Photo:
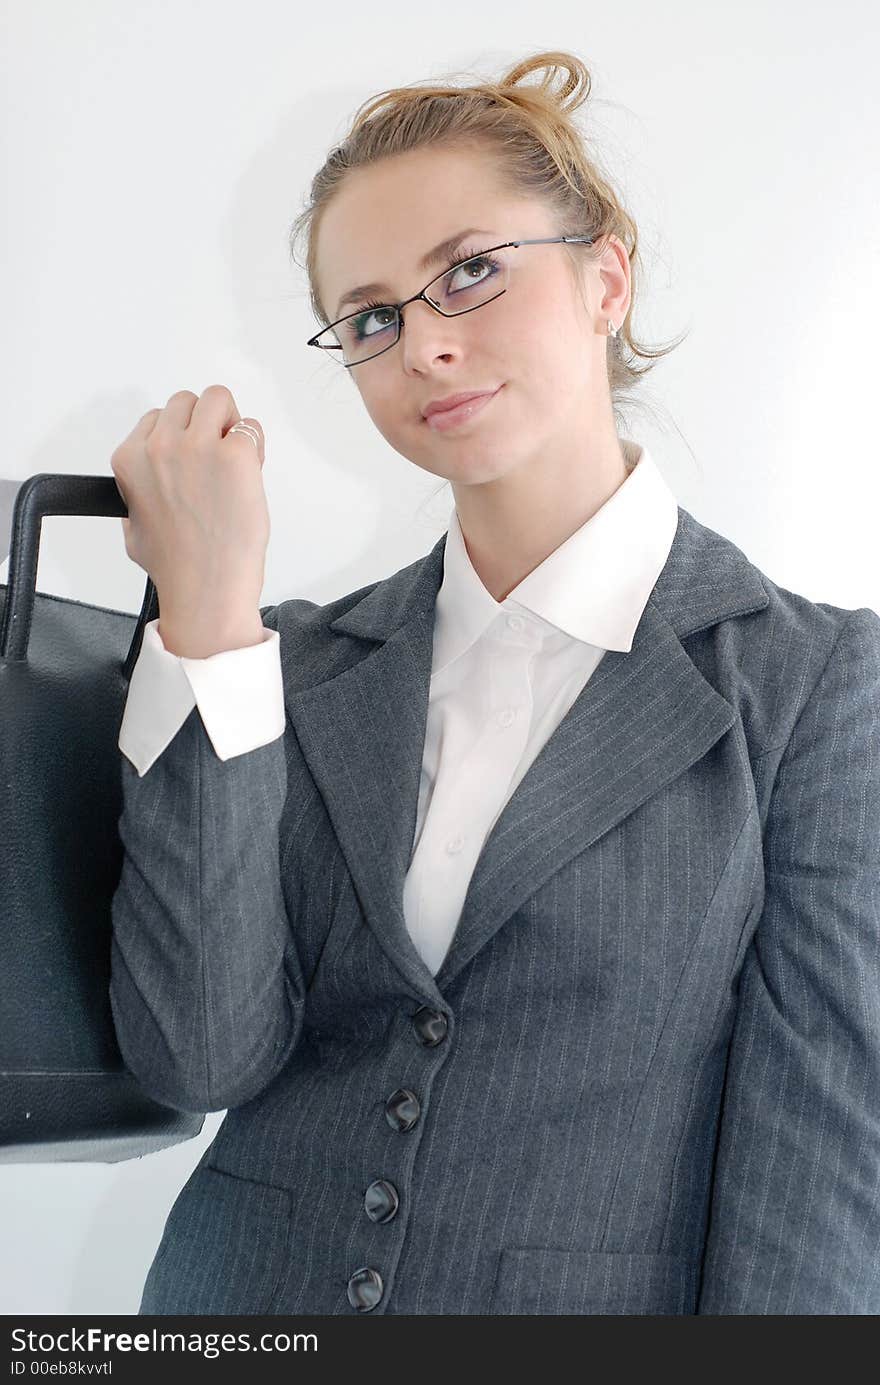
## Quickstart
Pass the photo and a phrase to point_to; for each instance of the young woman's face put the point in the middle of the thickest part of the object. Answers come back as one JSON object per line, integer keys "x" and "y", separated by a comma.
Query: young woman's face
{"x": 537, "y": 345}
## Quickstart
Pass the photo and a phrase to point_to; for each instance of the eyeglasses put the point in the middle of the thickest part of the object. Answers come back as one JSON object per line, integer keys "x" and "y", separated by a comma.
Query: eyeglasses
{"x": 375, "y": 328}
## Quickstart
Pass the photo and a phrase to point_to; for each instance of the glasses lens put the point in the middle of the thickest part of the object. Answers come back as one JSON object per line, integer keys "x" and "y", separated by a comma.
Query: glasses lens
{"x": 370, "y": 331}
{"x": 362, "y": 335}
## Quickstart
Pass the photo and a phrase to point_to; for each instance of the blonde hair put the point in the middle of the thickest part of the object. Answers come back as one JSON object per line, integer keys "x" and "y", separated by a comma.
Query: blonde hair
{"x": 540, "y": 153}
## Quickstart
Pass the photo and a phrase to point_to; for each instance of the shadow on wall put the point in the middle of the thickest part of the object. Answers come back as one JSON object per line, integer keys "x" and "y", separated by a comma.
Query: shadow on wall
{"x": 8, "y": 492}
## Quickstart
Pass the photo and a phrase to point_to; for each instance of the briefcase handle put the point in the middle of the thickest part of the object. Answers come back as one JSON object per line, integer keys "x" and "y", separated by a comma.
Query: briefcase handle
{"x": 57, "y": 493}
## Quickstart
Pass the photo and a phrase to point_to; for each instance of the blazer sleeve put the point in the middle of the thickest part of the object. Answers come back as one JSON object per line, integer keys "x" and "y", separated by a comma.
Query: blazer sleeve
{"x": 206, "y": 985}
{"x": 794, "y": 1224}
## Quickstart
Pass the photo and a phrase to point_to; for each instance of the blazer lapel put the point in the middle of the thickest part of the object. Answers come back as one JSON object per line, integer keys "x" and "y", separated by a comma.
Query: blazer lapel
{"x": 362, "y": 732}
{"x": 644, "y": 717}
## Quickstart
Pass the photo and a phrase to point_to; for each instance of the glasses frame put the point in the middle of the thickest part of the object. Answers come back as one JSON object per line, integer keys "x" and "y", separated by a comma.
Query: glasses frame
{"x": 423, "y": 294}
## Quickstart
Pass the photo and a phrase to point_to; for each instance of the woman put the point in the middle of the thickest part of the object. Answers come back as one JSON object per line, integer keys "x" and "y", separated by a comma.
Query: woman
{"x": 521, "y": 908}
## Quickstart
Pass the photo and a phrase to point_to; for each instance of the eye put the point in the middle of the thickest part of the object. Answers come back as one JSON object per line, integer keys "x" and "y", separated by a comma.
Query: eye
{"x": 473, "y": 271}
{"x": 358, "y": 325}
{"x": 473, "y": 266}
{"x": 476, "y": 263}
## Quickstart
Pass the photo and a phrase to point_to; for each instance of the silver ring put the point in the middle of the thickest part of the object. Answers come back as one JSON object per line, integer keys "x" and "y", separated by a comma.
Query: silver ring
{"x": 249, "y": 431}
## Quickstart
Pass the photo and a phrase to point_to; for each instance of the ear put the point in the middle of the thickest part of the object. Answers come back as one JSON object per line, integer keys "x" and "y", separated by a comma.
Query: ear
{"x": 614, "y": 267}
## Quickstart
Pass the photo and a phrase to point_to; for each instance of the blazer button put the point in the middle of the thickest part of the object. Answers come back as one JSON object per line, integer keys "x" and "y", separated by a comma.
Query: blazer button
{"x": 381, "y": 1200}
{"x": 402, "y": 1109}
{"x": 430, "y": 1025}
{"x": 365, "y": 1288}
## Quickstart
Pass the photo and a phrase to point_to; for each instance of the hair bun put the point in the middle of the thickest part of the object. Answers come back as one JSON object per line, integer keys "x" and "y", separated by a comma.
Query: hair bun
{"x": 576, "y": 80}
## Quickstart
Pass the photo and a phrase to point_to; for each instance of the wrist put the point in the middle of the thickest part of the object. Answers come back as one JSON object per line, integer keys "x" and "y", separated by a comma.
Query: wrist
{"x": 200, "y": 642}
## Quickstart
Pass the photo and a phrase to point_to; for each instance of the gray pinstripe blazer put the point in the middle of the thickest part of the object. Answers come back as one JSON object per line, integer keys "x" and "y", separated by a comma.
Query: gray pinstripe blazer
{"x": 645, "y": 1079}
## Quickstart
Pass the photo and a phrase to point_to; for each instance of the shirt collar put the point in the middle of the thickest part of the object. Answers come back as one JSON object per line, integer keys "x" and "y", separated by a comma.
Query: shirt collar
{"x": 593, "y": 587}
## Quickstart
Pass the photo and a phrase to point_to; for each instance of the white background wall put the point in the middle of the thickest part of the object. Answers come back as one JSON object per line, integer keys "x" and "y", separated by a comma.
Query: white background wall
{"x": 154, "y": 158}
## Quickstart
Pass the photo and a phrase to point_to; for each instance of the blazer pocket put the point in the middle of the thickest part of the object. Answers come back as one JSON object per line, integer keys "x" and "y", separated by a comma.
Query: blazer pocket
{"x": 224, "y": 1247}
{"x": 538, "y": 1279}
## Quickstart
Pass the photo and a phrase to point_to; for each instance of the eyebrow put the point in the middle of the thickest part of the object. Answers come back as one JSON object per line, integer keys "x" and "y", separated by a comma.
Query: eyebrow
{"x": 436, "y": 256}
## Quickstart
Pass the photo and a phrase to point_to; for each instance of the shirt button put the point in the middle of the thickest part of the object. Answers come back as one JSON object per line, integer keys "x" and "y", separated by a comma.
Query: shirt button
{"x": 455, "y": 844}
{"x": 381, "y": 1200}
{"x": 365, "y": 1288}
{"x": 507, "y": 716}
{"x": 515, "y": 622}
{"x": 430, "y": 1025}
{"x": 402, "y": 1109}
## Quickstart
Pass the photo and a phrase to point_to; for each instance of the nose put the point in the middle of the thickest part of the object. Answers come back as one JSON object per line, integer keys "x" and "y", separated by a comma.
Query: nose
{"x": 426, "y": 334}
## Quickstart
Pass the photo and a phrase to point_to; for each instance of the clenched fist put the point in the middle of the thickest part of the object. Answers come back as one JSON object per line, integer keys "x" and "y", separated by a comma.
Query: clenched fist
{"x": 198, "y": 521}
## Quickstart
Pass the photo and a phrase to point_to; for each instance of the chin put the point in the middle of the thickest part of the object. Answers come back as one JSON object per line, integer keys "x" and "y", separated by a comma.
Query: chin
{"x": 478, "y": 470}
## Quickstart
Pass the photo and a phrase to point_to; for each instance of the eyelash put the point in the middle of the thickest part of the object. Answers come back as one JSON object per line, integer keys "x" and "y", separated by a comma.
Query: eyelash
{"x": 452, "y": 262}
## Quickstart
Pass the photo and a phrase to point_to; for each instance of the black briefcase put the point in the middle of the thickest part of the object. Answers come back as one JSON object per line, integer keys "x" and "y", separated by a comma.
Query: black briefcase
{"x": 65, "y": 1093}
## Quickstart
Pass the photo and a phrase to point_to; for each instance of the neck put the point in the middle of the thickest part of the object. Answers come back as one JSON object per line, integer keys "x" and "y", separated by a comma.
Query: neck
{"x": 512, "y": 523}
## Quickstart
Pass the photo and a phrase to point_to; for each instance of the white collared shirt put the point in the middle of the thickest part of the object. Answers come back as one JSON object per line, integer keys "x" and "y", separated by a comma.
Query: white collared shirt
{"x": 503, "y": 676}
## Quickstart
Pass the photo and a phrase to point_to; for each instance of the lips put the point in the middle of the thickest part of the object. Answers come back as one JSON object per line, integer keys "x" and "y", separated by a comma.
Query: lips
{"x": 453, "y": 400}
{"x": 450, "y": 420}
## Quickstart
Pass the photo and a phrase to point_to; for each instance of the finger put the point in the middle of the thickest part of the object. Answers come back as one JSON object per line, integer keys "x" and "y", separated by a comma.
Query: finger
{"x": 215, "y": 411}
{"x": 247, "y": 440}
{"x": 123, "y": 496}
{"x": 178, "y": 411}
{"x": 143, "y": 428}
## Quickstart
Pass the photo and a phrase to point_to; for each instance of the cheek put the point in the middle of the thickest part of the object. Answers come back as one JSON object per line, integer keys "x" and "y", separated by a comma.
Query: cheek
{"x": 541, "y": 334}
{"x": 400, "y": 426}
{"x": 382, "y": 407}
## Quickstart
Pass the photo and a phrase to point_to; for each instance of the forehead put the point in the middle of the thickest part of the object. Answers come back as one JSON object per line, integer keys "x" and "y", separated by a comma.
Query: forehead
{"x": 383, "y": 220}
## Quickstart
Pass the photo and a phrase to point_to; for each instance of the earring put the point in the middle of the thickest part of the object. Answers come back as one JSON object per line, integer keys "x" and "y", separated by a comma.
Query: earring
{"x": 612, "y": 330}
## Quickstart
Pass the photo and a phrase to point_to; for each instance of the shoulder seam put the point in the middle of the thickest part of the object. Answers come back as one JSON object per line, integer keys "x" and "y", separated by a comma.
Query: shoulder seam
{"x": 781, "y": 745}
